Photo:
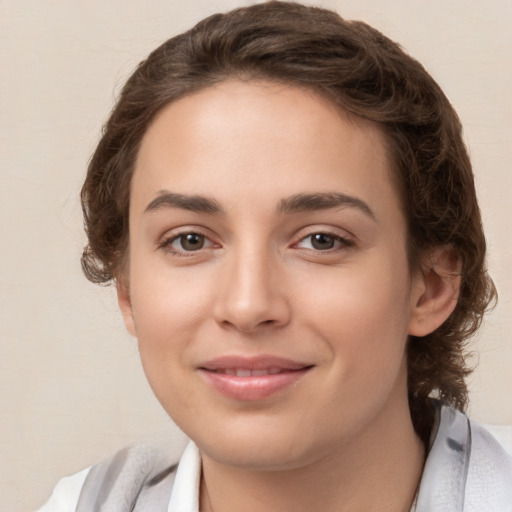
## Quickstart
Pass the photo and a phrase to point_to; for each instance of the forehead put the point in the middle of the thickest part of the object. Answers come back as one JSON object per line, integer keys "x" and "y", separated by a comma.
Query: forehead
{"x": 263, "y": 136}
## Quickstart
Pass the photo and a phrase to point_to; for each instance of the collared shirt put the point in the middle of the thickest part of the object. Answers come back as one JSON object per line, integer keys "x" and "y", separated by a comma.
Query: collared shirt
{"x": 466, "y": 471}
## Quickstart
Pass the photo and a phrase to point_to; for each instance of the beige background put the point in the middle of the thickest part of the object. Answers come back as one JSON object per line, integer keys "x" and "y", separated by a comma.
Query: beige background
{"x": 72, "y": 388}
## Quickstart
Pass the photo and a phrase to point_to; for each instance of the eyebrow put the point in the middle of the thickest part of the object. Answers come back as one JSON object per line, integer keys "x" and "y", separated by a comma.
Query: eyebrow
{"x": 199, "y": 204}
{"x": 322, "y": 201}
{"x": 293, "y": 204}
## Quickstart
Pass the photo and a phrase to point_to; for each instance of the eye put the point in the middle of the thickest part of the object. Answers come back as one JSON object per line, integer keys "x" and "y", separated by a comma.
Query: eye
{"x": 323, "y": 242}
{"x": 187, "y": 243}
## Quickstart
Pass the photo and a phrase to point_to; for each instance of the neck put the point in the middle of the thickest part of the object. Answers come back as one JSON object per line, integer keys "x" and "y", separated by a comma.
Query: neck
{"x": 378, "y": 471}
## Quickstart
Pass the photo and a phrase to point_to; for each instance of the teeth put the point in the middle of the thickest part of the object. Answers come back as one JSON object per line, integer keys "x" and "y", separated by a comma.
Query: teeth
{"x": 242, "y": 372}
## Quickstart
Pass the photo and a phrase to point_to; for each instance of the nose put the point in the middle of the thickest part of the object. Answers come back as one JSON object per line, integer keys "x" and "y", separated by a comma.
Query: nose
{"x": 252, "y": 294}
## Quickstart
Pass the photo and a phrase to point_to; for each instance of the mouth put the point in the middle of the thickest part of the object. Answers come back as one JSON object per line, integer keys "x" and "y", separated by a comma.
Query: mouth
{"x": 249, "y": 379}
{"x": 242, "y": 372}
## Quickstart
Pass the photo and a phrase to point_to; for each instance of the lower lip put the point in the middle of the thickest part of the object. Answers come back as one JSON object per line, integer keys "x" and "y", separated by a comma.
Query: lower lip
{"x": 255, "y": 387}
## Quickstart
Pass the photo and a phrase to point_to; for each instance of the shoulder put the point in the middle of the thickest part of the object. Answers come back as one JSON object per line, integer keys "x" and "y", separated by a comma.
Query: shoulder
{"x": 140, "y": 473}
{"x": 466, "y": 468}
{"x": 64, "y": 497}
{"x": 489, "y": 472}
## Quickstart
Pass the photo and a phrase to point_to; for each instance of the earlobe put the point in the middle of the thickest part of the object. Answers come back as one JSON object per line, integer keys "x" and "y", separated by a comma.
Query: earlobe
{"x": 125, "y": 304}
{"x": 435, "y": 290}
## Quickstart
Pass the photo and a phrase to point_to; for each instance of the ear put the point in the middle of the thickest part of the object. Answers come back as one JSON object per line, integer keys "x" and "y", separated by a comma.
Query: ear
{"x": 435, "y": 290}
{"x": 125, "y": 304}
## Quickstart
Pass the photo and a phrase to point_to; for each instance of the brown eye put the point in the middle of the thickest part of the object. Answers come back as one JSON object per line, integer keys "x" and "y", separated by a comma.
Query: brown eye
{"x": 189, "y": 242}
{"x": 322, "y": 241}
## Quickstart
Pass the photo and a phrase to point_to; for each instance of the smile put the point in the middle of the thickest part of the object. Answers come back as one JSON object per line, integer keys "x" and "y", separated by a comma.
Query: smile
{"x": 249, "y": 379}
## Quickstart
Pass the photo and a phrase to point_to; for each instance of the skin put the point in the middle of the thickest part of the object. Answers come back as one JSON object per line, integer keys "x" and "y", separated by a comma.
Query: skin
{"x": 260, "y": 284}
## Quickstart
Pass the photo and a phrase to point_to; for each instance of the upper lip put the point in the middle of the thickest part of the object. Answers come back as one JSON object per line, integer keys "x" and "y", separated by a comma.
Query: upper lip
{"x": 262, "y": 362}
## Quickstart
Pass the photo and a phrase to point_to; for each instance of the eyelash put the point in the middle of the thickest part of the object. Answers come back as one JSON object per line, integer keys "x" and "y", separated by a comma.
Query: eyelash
{"x": 167, "y": 243}
{"x": 343, "y": 242}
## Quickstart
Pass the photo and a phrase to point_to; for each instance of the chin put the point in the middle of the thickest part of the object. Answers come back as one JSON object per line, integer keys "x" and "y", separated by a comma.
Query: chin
{"x": 273, "y": 457}
{"x": 258, "y": 445}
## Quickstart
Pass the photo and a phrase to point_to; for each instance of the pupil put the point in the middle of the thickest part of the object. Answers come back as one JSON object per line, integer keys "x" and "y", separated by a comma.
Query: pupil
{"x": 322, "y": 241}
{"x": 192, "y": 242}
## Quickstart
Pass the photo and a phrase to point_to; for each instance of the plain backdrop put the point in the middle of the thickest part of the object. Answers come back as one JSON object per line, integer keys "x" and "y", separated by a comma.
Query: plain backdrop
{"x": 72, "y": 387}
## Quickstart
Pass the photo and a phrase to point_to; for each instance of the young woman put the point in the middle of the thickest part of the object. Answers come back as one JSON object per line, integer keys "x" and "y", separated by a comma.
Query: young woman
{"x": 286, "y": 206}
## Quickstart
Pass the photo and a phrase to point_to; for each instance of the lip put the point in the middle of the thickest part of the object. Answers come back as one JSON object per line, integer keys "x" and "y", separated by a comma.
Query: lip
{"x": 282, "y": 373}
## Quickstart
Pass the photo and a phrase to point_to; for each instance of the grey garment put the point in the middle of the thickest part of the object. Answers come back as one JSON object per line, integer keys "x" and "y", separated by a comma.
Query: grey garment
{"x": 137, "y": 479}
{"x": 443, "y": 483}
{"x": 466, "y": 471}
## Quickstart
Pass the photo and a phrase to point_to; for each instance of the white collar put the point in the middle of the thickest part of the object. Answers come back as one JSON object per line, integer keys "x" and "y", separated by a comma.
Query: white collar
{"x": 185, "y": 492}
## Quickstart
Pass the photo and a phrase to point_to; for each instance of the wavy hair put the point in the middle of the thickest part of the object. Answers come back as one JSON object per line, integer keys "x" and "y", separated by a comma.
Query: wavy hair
{"x": 361, "y": 71}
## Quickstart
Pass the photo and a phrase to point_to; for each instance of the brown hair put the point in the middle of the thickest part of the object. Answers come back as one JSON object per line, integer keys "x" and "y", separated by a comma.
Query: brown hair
{"x": 364, "y": 73}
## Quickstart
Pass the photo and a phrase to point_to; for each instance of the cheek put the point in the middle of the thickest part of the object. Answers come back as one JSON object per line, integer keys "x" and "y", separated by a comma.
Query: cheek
{"x": 363, "y": 316}
{"x": 168, "y": 309}
{"x": 360, "y": 300}
{"x": 162, "y": 296}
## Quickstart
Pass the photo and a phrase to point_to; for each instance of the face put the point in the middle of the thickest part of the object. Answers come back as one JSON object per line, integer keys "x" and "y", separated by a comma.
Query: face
{"x": 268, "y": 283}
